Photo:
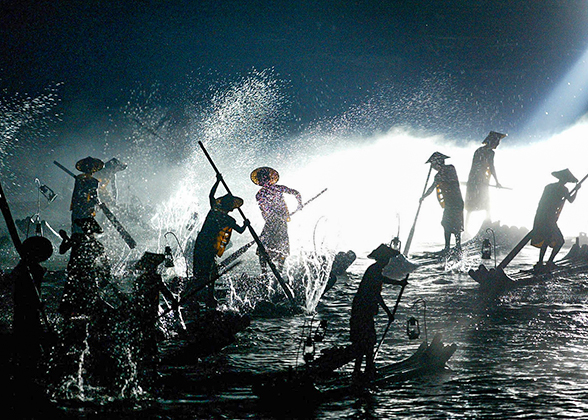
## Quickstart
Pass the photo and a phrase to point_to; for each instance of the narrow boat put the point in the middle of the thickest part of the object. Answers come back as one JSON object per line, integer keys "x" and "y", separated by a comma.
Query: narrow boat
{"x": 492, "y": 235}
{"x": 496, "y": 281}
{"x": 317, "y": 382}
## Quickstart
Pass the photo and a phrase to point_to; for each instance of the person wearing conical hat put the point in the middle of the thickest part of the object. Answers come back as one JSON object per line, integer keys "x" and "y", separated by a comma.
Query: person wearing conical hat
{"x": 85, "y": 194}
{"x": 477, "y": 191}
{"x": 107, "y": 189}
{"x": 148, "y": 286}
{"x": 275, "y": 213}
{"x": 213, "y": 238}
{"x": 446, "y": 184}
{"x": 367, "y": 299}
{"x": 26, "y": 280}
{"x": 546, "y": 233}
{"x": 87, "y": 270}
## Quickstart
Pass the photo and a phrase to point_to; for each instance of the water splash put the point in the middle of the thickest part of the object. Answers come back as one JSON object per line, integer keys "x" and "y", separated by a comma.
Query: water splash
{"x": 308, "y": 274}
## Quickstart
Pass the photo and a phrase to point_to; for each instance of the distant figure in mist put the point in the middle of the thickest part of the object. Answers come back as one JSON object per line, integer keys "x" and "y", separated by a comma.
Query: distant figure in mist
{"x": 85, "y": 194}
{"x": 546, "y": 233}
{"x": 477, "y": 195}
{"x": 148, "y": 287}
{"x": 107, "y": 189}
{"x": 213, "y": 239}
{"x": 274, "y": 211}
{"x": 26, "y": 279}
{"x": 446, "y": 184}
{"x": 364, "y": 308}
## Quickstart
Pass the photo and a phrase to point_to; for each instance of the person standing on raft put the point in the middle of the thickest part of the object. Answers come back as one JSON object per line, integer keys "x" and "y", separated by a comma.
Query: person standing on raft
{"x": 365, "y": 304}
{"x": 274, "y": 211}
{"x": 446, "y": 184}
{"x": 213, "y": 238}
{"x": 148, "y": 287}
{"x": 107, "y": 188}
{"x": 546, "y": 233}
{"x": 26, "y": 279}
{"x": 85, "y": 194}
{"x": 477, "y": 194}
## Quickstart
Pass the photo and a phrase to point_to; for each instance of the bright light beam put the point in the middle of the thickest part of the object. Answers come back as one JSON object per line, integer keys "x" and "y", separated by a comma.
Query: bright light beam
{"x": 566, "y": 103}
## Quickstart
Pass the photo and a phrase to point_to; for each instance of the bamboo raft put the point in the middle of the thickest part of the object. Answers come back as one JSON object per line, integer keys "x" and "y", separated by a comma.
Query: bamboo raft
{"x": 496, "y": 281}
{"x": 317, "y": 382}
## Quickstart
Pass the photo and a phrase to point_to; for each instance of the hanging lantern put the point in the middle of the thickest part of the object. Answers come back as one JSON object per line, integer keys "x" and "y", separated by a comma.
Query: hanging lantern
{"x": 308, "y": 350}
{"x": 47, "y": 193}
{"x": 169, "y": 258}
{"x": 413, "y": 330}
{"x": 320, "y": 332}
{"x": 486, "y": 249}
{"x": 395, "y": 243}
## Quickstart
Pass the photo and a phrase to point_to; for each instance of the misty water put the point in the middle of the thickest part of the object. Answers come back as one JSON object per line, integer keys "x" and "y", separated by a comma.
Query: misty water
{"x": 522, "y": 355}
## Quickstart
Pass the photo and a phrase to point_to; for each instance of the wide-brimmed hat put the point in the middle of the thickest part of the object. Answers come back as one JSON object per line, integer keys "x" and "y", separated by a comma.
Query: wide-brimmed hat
{"x": 493, "y": 137}
{"x": 37, "y": 248}
{"x": 89, "y": 225}
{"x": 383, "y": 252}
{"x": 89, "y": 165}
{"x": 437, "y": 157}
{"x": 229, "y": 202}
{"x": 565, "y": 175}
{"x": 265, "y": 176}
{"x": 115, "y": 165}
{"x": 149, "y": 260}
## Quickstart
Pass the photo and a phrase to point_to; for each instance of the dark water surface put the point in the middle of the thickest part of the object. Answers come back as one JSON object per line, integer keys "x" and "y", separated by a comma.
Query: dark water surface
{"x": 522, "y": 355}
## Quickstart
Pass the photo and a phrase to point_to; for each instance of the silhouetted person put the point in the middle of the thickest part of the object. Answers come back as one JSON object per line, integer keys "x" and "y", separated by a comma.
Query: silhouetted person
{"x": 148, "y": 287}
{"x": 87, "y": 269}
{"x": 107, "y": 189}
{"x": 274, "y": 211}
{"x": 26, "y": 279}
{"x": 85, "y": 194}
{"x": 546, "y": 233}
{"x": 477, "y": 194}
{"x": 365, "y": 307}
{"x": 213, "y": 238}
{"x": 446, "y": 184}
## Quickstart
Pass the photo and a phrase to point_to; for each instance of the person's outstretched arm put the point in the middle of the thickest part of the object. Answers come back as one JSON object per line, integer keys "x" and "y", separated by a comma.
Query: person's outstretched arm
{"x": 211, "y": 198}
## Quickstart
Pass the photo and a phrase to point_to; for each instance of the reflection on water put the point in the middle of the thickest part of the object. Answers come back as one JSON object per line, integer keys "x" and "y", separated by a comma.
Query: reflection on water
{"x": 522, "y": 355}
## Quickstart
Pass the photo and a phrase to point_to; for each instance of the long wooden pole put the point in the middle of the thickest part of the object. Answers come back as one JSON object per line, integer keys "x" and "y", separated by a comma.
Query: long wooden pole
{"x": 109, "y": 215}
{"x": 248, "y": 245}
{"x": 18, "y": 245}
{"x": 260, "y": 245}
{"x": 411, "y": 234}
{"x": 392, "y": 317}
{"x": 513, "y": 253}
{"x": 577, "y": 186}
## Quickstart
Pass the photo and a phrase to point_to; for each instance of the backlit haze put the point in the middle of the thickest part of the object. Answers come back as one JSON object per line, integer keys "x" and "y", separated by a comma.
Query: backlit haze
{"x": 373, "y": 181}
{"x": 349, "y": 96}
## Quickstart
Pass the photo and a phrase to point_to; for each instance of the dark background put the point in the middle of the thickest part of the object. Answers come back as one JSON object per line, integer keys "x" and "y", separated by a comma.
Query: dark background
{"x": 458, "y": 68}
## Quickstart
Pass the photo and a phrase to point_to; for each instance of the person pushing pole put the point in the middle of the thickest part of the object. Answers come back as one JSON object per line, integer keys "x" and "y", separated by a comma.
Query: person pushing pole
{"x": 262, "y": 250}
{"x": 391, "y": 320}
{"x": 367, "y": 299}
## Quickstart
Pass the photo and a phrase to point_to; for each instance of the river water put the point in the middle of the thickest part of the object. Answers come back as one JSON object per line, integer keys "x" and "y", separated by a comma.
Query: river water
{"x": 522, "y": 355}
